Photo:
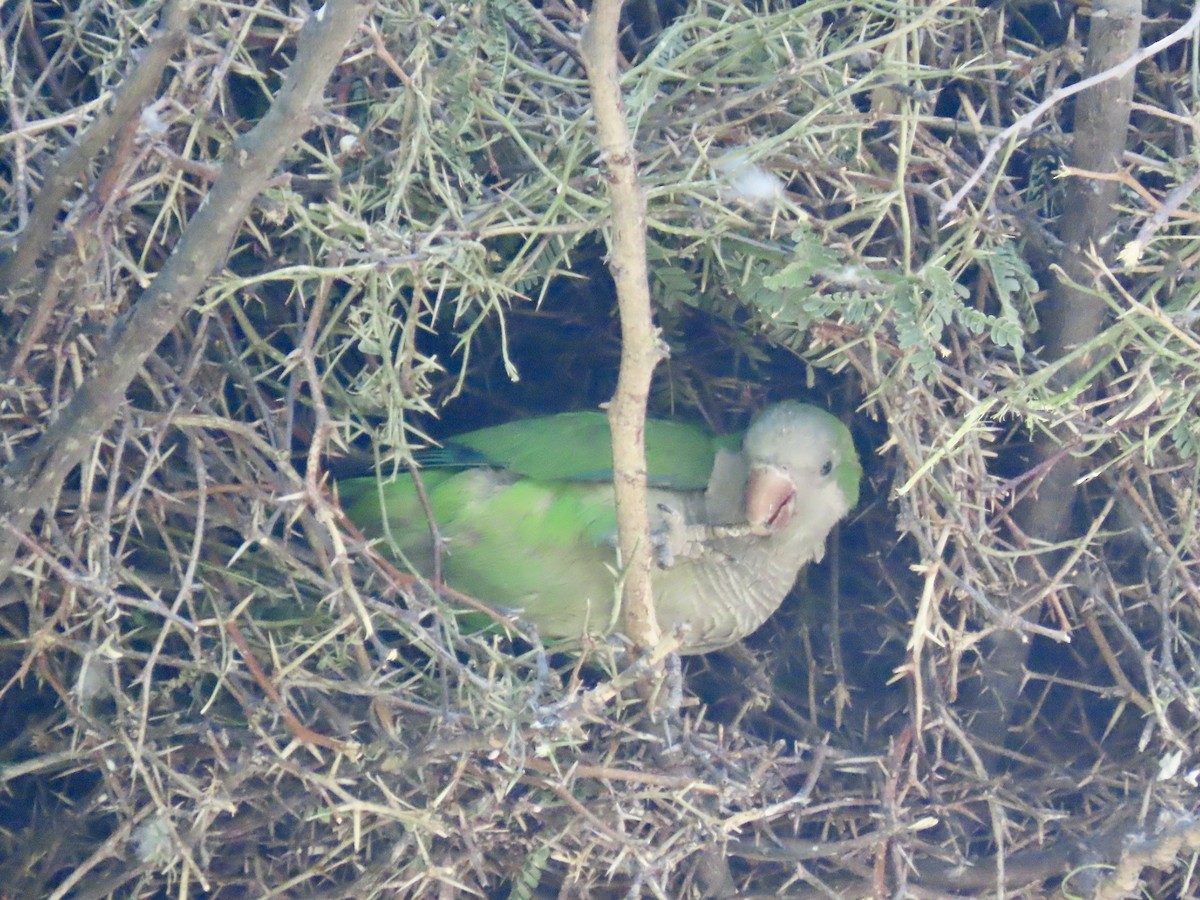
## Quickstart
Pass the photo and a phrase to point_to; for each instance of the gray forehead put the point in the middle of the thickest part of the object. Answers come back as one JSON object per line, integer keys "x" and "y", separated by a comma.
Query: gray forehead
{"x": 795, "y": 431}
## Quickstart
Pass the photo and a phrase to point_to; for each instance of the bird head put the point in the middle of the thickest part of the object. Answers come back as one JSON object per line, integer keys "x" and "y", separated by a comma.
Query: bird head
{"x": 802, "y": 467}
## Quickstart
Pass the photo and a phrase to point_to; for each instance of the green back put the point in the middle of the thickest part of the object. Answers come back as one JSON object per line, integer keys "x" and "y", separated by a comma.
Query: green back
{"x": 577, "y": 447}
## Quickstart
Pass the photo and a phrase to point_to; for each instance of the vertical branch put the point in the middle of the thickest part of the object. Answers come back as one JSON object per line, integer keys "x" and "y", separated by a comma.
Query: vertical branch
{"x": 641, "y": 348}
{"x": 1072, "y": 317}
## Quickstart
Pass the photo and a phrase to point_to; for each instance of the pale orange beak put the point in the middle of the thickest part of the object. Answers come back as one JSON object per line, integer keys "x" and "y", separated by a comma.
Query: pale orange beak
{"x": 770, "y": 498}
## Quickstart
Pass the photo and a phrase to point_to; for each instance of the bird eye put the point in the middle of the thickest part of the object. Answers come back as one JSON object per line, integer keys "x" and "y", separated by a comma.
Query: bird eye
{"x": 827, "y": 468}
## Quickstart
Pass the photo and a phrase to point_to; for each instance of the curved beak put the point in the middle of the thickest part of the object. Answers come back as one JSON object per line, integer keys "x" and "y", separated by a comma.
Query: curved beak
{"x": 770, "y": 498}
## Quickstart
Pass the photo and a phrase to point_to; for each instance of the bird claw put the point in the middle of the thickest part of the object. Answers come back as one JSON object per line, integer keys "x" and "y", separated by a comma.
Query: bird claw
{"x": 673, "y": 538}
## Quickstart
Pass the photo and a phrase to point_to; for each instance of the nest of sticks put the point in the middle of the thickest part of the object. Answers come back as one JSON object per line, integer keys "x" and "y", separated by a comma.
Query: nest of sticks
{"x": 210, "y": 683}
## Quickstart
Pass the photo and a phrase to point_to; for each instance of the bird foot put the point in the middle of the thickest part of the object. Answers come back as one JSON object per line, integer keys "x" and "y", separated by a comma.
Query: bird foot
{"x": 674, "y": 538}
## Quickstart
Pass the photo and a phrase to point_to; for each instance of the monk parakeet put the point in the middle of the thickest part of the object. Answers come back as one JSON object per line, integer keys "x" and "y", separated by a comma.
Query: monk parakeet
{"x": 526, "y": 510}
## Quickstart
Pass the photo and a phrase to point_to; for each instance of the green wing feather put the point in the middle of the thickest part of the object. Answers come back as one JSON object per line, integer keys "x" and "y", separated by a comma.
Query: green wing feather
{"x": 578, "y": 447}
{"x": 536, "y": 479}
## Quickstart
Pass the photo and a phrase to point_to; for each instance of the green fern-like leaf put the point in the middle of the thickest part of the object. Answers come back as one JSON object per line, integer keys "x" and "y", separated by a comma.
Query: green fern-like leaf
{"x": 1015, "y": 286}
{"x": 531, "y": 875}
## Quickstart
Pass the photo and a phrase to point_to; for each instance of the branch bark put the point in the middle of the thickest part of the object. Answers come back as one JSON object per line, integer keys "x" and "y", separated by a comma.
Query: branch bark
{"x": 1072, "y": 317}
{"x": 68, "y": 165}
{"x": 35, "y": 474}
{"x": 641, "y": 348}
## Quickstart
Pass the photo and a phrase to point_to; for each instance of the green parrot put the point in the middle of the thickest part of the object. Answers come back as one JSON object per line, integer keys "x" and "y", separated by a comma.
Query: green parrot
{"x": 526, "y": 510}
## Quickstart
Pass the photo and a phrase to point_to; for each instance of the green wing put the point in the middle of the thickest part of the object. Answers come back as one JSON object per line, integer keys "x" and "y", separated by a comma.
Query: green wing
{"x": 577, "y": 447}
{"x": 541, "y": 471}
